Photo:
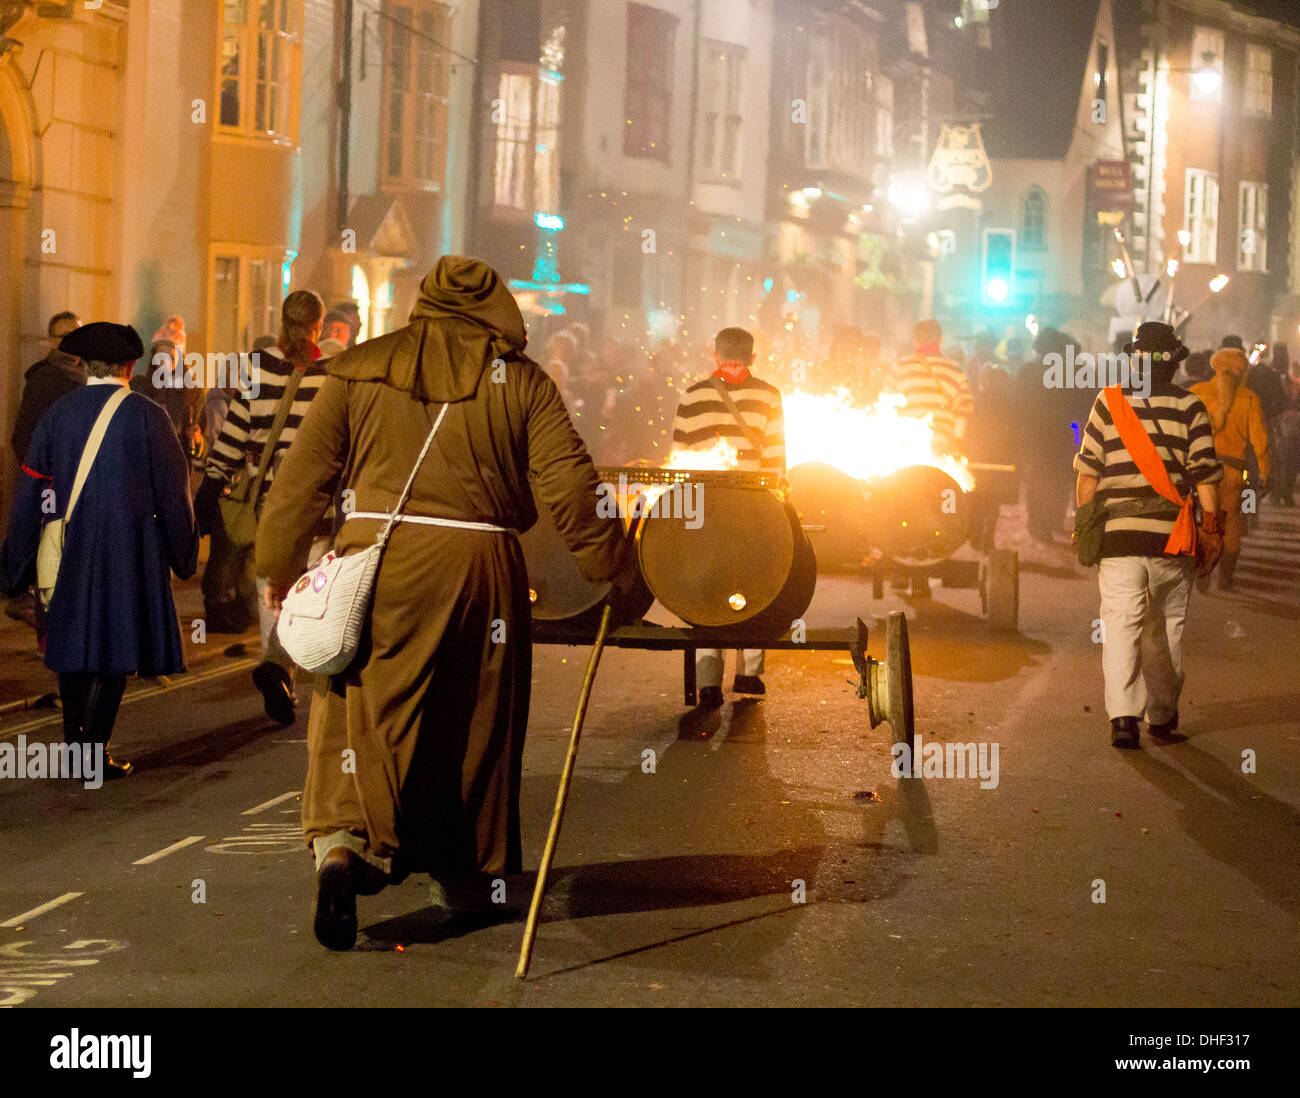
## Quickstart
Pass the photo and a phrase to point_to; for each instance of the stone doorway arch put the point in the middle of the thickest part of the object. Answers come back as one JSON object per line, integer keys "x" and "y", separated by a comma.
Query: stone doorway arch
{"x": 18, "y": 167}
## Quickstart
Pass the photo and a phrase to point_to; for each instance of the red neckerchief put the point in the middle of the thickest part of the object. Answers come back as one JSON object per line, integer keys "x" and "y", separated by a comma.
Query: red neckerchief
{"x": 929, "y": 349}
{"x": 733, "y": 373}
{"x": 313, "y": 352}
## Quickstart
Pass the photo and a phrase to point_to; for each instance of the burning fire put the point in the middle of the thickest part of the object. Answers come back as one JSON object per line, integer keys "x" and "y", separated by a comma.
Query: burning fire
{"x": 720, "y": 456}
{"x": 866, "y": 443}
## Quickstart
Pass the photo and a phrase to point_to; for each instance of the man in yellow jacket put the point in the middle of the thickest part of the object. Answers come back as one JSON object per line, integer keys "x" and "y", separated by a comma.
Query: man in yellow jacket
{"x": 1237, "y": 420}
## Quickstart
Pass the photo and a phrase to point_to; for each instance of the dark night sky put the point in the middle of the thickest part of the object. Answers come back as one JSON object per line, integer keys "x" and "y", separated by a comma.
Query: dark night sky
{"x": 1039, "y": 50}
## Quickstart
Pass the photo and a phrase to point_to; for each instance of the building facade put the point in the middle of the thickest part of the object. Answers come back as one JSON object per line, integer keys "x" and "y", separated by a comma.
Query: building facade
{"x": 164, "y": 157}
{"x": 1212, "y": 99}
{"x": 1060, "y": 185}
{"x": 621, "y": 160}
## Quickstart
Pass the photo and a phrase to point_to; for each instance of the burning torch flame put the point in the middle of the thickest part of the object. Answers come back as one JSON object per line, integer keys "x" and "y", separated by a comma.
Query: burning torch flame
{"x": 866, "y": 443}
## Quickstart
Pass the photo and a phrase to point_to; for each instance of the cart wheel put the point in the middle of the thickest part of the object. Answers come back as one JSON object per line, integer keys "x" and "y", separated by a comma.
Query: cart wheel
{"x": 888, "y": 685}
{"x": 1000, "y": 590}
{"x": 898, "y": 670}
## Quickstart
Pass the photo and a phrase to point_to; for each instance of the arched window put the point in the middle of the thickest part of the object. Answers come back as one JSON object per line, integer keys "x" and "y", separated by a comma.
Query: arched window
{"x": 1033, "y": 222}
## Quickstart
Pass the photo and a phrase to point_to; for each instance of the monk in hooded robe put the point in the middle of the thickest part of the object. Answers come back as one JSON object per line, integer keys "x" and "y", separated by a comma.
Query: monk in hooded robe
{"x": 415, "y": 753}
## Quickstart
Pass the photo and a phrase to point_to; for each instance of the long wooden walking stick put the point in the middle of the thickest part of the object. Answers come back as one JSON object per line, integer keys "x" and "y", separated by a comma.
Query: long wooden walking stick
{"x": 552, "y": 840}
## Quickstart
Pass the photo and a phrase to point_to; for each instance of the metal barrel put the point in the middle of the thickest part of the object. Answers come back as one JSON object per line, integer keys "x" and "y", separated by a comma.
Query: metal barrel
{"x": 919, "y": 516}
{"x": 742, "y": 563}
{"x": 557, "y": 588}
{"x": 832, "y": 509}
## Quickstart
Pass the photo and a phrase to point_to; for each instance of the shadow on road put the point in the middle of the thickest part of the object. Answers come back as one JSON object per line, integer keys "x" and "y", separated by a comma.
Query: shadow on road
{"x": 210, "y": 746}
{"x": 718, "y": 794}
{"x": 1244, "y": 713}
{"x": 948, "y": 644}
{"x": 1253, "y": 833}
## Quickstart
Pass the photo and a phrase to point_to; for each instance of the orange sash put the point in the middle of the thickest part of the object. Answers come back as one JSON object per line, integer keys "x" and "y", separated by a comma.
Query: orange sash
{"x": 1182, "y": 542}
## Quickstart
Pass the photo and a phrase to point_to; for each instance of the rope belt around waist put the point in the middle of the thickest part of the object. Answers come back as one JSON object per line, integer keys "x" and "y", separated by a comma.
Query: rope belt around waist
{"x": 425, "y": 520}
{"x": 1233, "y": 463}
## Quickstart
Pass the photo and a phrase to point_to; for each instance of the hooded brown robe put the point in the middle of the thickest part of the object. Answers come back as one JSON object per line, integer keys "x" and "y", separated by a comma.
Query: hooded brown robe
{"x": 436, "y": 704}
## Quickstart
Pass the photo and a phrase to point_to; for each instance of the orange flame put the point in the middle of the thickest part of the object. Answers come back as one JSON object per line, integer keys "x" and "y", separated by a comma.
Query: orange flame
{"x": 718, "y": 457}
{"x": 866, "y": 443}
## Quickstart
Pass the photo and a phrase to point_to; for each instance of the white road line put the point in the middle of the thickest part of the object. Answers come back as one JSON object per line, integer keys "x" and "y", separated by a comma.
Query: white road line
{"x": 18, "y": 920}
{"x": 170, "y": 849}
{"x": 271, "y": 803}
{"x": 193, "y": 678}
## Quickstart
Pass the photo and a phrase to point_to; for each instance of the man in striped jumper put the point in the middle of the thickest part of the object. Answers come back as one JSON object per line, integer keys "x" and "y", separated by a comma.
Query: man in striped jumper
{"x": 1147, "y": 572}
{"x": 703, "y": 418}
{"x": 238, "y": 450}
{"x": 934, "y": 386}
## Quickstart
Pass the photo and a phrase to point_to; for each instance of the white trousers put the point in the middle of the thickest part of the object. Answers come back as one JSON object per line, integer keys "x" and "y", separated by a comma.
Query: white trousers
{"x": 1143, "y": 608}
{"x": 709, "y": 664}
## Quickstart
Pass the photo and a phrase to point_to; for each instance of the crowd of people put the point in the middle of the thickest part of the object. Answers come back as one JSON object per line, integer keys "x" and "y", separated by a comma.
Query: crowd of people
{"x": 435, "y": 706}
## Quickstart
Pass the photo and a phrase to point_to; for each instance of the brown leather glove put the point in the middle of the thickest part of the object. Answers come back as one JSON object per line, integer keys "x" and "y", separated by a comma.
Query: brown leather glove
{"x": 1209, "y": 544}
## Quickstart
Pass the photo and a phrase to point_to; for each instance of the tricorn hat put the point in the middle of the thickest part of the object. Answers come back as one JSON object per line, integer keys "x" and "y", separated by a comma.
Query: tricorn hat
{"x": 1159, "y": 341}
{"x": 104, "y": 342}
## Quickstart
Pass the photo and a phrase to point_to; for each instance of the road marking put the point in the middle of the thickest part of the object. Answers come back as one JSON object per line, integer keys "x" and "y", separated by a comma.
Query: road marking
{"x": 271, "y": 803}
{"x": 170, "y": 849}
{"x": 18, "y": 920}
{"x": 21, "y": 974}
{"x": 192, "y": 679}
{"x": 262, "y": 838}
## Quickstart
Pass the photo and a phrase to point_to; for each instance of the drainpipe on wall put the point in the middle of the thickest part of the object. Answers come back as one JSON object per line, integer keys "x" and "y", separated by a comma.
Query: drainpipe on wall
{"x": 345, "y": 120}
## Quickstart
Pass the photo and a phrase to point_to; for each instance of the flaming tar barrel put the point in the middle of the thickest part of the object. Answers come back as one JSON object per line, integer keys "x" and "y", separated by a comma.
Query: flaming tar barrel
{"x": 723, "y": 552}
{"x": 832, "y": 508}
{"x": 918, "y": 516}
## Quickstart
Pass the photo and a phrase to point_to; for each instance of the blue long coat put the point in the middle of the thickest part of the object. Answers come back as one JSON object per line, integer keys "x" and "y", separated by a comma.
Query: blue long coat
{"x": 112, "y": 610}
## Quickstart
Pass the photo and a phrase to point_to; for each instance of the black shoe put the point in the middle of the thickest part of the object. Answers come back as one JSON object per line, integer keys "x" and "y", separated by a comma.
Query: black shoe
{"x": 1167, "y": 731}
{"x": 336, "y": 902}
{"x": 710, "y": 697}
{"x": 1124, "y": 732}
{"x": 274, "y": 683}
{"x": 116, "y": 768}
{"x": 748, "y": 684}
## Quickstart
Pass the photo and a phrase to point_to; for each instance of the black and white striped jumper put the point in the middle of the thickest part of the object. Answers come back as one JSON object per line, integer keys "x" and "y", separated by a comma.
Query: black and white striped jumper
{"x": 1179, "y": 425}
{"x": 703, "y": 419}
{"x": 248, "y": 423}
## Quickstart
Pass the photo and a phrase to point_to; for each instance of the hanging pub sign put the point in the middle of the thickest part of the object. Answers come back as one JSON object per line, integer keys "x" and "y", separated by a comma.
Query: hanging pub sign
{"x": 960, "y": 162}
{"x": 1110, "y": 186}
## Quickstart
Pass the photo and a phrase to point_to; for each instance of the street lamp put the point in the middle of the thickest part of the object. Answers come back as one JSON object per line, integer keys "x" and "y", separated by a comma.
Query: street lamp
{"x": 1218, "y": 282}
{"x": 908, "y": 196}
{"x": 1208, "y": 77}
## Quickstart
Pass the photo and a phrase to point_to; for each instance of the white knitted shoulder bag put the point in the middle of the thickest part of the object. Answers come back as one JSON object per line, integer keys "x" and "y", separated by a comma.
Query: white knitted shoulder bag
{"x": 324, "y": 615}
